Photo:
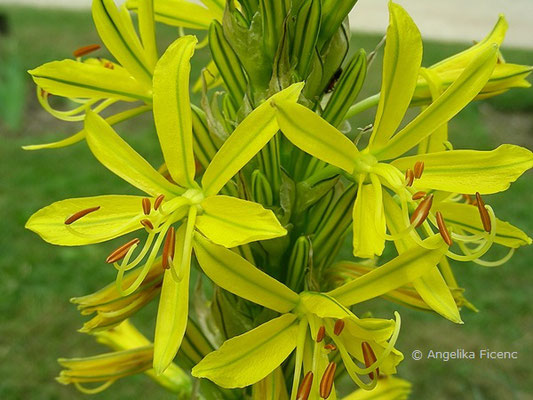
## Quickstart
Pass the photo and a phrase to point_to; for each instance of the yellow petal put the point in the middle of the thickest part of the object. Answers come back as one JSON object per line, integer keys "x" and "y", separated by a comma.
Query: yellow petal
{"x": 118, "y": 156}
{"x": 233, "y": 273}
{"x": 117, "y": 216}
{"x": 314, "y": 135}
{"x": 401, "y": 62}
{"x": 172, "y": 312}
{"x": 172, "y": 109}
{"x": 252, "y": 134}
{"x": 71, "y": 78}
{"x": 435, "y": 292}
{"x": 118, "y": 34}
{"x": 462, "y": 59}
{"x": 248, "y": 358}
{"x": 181, "y": 13}
{"x": 454, "y": 99}
{"x": 401, "y": 270}
{"x": 388, "y": 388}
{"x": 470, "y": 171}
{"x": 367, "y": 241}
{"x": 231, "y": 222}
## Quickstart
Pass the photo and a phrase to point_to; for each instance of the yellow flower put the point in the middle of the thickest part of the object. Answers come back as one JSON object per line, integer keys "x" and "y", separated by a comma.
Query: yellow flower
{"x": 95, "y": 83}
{"x": 317, "y": 325}
{"x": 225, "y": 220}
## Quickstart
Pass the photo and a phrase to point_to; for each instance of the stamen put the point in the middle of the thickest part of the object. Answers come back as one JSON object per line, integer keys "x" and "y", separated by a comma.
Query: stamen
{"x": 422, "y": 211}
{"x": 339, "y": 326}
{"x": 147, "y": 224}
{"x": 485, "y": 218}
{"x": 109, "y": 65}
{"x": 409, "y": 177}
{"x": 82, "y": 51}
{"x": 321, "y": 333}
{"x": 158, "y": 200}
{"x": 330, "y": 347}
{"x": 119, "y": 253}
{"x": 168, "y": 247}
{"x": 370, "y": 358}
{"x": 418, "y": 195}
{"x": 326, "y": 384}
{"x": 76, "y": 216}
{"x": 305, "y": 387}
{"x": 418, "y": 169}
{"x": 146, "y": 206}
{"x": 443, "y": 230}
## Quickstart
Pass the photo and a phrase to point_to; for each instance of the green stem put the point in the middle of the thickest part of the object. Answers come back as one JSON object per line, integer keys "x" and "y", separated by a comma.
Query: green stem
{"x": 363, "y": 105}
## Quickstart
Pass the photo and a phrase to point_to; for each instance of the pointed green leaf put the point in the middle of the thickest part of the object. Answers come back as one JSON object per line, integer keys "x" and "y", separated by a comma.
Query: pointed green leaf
{"x": 232, "y": 222}
{"x": 312, "y": 134}
{"x": 252, "y": 134}
{"x": 334, "y": 13}
{"x": 401, "y": 63}
{"x": 116, "y": 155}
{"x": 227, "y": 63}
{"x": 401, "y": 270}
{"x": 306, "y": 35}
{"x": 71, "y": 78}
{"x": 119, "y": 37}
{"x": 233, "y": 273}
{"x": 248, "y": 358}
{"x": 453, "y": 100}
{"x": 172, "y": 110}
{"x": 346, "y": 90}
{"x": 470, "y": 171}
{"x": 172, "y": 312}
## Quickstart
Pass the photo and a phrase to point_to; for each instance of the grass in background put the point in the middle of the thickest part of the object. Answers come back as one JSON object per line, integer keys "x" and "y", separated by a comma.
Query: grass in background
{"x": 38, "y": 324}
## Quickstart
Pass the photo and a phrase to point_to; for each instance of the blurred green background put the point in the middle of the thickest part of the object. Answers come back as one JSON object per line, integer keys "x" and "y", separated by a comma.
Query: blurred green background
{"x": 38, "y": 324}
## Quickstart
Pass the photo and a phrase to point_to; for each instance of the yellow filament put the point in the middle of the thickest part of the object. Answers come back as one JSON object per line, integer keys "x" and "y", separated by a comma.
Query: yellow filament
{"x": 95, "y": 390}
{"x": 483, "y": 248}
{"x": 302, "y": 333}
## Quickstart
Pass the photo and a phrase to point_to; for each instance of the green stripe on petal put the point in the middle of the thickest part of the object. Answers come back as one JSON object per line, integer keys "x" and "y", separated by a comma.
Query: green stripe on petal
{"x": 232, "y": 222}
{"x": 118, "y": 156}
{"x": 470, "y": 171}
{"x": 454, "y": 99}
{"x": 233, "y": 273}
{"x": 117, "y": 216}
{"x": 248, "y": 358}
{"x": 401, "y": 270}
{"x": 401, "y": 63}
{"x": 252, "y": 134}
{"x": 172, "y": 109}
{"x": 312, "y": 134}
